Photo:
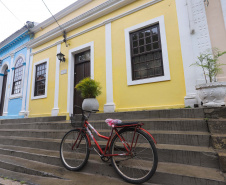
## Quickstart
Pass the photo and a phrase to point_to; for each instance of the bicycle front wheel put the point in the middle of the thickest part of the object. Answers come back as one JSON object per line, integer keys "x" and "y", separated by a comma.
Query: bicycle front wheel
{"x": 74, "y": 150}
{"x": 140, "y": 165}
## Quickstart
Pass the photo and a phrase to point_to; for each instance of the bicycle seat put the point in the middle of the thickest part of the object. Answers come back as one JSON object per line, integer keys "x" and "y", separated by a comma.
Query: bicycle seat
{"x": 118, "y": 122}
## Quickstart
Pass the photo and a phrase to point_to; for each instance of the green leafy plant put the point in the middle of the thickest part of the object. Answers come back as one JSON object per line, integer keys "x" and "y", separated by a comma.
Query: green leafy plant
{"x": 89, "y": 88}
{"x": 209, "y": 64}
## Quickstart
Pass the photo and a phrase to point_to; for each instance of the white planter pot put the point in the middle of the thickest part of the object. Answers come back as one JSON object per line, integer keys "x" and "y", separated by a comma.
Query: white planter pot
{"x": 212, "y": 94}
{"x": 90, "y": 104}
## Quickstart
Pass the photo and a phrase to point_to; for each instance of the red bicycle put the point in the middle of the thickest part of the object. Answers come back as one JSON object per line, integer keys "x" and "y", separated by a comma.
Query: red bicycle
{"x": 130, "y": 148}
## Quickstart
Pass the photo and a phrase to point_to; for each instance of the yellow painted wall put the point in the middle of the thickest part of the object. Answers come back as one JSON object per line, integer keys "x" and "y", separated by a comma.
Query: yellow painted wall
{"x": 98, "y": 37}
{"x": 168, "y": 94}
{"x": 44, "y": 106}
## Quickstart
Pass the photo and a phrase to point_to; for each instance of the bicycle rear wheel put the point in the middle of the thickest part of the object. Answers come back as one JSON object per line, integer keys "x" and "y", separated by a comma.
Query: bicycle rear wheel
{"x": 74, "y": 150}
{"x": 141, "y": 164}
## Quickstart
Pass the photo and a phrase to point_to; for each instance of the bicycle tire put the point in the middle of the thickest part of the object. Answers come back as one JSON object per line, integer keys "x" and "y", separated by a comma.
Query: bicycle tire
{"x": 74, "y": 156}
{"x": 134, "y": 169}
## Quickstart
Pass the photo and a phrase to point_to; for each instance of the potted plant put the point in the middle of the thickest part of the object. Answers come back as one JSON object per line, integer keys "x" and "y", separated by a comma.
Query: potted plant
{"x": 89, "y": 89}
{"x": 212, "y": 93}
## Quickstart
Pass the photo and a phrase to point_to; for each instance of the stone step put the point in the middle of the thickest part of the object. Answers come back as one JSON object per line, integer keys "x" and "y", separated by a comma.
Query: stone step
{"x": 162, "y": 137}
{"x": 217, "y": 126}
{"x": 39, "y": 149}
{"x": 165, "y": 113}
{"x": 32, "y": 120}
{"x": 175, "y": 124}
{"x": 167, "y": 173}
{"x": 219, "y": 141}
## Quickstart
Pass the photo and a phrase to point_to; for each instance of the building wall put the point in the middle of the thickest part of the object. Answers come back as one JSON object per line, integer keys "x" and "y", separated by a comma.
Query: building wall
{"x": 13, "y": 104}
{"x": 165, "y": 94}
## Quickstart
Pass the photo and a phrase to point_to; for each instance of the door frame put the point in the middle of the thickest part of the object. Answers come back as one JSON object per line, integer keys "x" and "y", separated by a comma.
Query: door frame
{"x": 71, "y": 63}
{"x": 4, "y": 66}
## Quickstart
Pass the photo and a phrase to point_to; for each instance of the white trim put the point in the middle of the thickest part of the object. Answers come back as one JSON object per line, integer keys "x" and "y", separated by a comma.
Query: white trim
{"x": 71, "y": 8}
{"x": 99, "y": 11}
{"x": 29, "y": 86}
{"x": 3, "y": 67}
{"x": 22, "y": 112}
{"x": 14, "y": 96}
{"x": 7, "y": 93}
{"x": 71, "y": 60}
{"x": 14, "y": 51}
{"x": 99, "y": 25}
{"x": 55, "y": 109}
{"x": 33, "y": 79}
{"x": 192, "y": 43}
{"x": 165, "y": 59}
{"x": 109, "y": 106}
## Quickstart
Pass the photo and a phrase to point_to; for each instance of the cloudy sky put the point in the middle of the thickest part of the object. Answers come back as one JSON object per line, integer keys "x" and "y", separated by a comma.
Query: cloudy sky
{"x": 26, "y": 10}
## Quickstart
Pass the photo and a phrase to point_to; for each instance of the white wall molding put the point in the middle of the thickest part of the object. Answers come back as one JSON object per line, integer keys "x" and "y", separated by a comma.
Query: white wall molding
{"x": 78, "y": 21}
{"x": 22, "y": 112}
{"x": 7, "y": 93}
{"x": 12, "y": 53}
{"x": 3, "y": 68}
{"x": 71, "y": 60}
{"x": 192, "y": 44}
{"x": 100, "y": 24}
{"x": 71, "y": 8}
{"x": 55, "y": 109}
{"x": 109, "y": 106}
{"x": 165, "y": 59}
{"x": 29, "y": 87}
{"x": 19, "y": 95}
{"x": 33, "y": 97}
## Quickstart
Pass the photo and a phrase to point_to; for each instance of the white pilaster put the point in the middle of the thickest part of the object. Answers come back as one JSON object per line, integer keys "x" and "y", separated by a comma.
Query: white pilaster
{"x": 109, "y": 106}
{"x": 29, "y": 85}
{"x": 195, "y": 39}
{"x": 55, "y": 109}
{"x": 10, "y": 74}
{"x": 22, "y": 112}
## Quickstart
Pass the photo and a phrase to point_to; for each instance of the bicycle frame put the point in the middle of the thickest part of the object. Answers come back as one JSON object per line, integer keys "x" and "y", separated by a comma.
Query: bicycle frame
{"x": 128, "y": 148}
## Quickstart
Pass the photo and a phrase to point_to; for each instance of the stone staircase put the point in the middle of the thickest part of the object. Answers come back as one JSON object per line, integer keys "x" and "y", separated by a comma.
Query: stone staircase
{"x": 29, "y": 149}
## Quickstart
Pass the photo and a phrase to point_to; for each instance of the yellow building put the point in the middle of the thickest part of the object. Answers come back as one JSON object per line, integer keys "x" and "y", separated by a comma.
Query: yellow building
{"x": 132, "y": 47}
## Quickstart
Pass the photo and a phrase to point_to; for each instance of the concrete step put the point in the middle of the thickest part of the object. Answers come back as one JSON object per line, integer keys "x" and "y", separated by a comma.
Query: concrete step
{"x": 173, "y": 124}
{"x": 48, "y": 150}
{"x": 219, "y": 141}
{"x": 165, "y": 113}
{"x": 32, "y": 120}
{"x": 162, "y": 137}
{"x": 169, "y": 124}
{"x": 167, "y": 173}
{"x": 217, "y": 126}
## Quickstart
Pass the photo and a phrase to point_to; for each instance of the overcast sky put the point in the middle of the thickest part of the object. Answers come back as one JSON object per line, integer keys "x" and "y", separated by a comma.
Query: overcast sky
{"x": 26, "y": 10}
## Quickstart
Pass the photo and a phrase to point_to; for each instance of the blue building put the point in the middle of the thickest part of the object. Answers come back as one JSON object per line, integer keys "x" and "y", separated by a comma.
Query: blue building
{"x": 14, "y": 62}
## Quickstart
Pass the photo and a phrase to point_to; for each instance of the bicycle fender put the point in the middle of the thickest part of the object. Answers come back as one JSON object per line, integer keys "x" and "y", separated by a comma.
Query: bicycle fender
{"x": 149, "y": 135}
{"x": 86, "y": 136}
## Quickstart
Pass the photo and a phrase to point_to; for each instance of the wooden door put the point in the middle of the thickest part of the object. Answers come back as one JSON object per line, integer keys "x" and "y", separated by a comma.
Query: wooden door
{"x": 82, "y": 70}
{"x": 3, "y": 91}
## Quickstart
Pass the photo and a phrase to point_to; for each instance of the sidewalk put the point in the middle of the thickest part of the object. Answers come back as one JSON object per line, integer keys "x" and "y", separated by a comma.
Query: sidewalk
{"x": 10, "y": 182}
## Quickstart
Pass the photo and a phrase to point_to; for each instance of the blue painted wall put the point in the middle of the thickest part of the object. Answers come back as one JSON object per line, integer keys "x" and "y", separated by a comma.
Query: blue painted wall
{"x": 15, "y": 104}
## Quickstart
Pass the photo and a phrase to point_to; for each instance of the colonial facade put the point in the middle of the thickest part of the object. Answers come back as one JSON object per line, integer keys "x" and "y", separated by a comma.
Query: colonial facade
{"x": 131, "y": 47}
{"x": 140, "y": 51}
{"x": 14, "y": 57}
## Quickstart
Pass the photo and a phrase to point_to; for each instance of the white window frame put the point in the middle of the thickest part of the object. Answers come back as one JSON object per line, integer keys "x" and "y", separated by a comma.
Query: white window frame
{"x": 33, "y": 79}
{"x": 161, "y": 22}
{"x": 19, "y": 95}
